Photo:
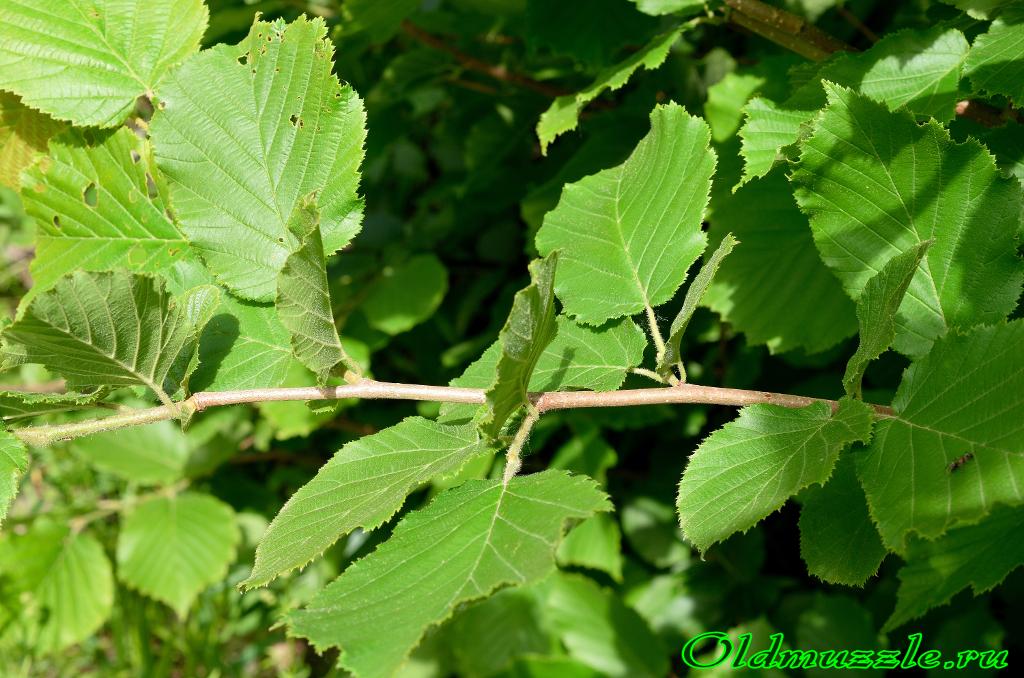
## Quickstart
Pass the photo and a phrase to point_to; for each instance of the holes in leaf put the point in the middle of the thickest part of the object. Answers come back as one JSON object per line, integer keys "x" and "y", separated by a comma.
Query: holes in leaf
{"x": 244, "y": 59}
{"x": 56, "y": 221}
{"x": 135, "y": 156}
{"x": 89, "y": 195}
{"x": 151, "y": 186}
{"x": 297, "y": 121}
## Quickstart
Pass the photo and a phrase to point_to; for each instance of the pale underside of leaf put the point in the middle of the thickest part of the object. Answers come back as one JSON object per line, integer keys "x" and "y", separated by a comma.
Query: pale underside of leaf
{"x": 467, "y": 543}
{"x": 362, "y": 486}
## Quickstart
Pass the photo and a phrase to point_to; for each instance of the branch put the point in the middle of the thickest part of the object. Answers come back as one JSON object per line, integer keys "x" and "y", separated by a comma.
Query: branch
{"x": 473, "y": 64}
{"x": 368, "y": 389}
{"x": 798, "y": 35}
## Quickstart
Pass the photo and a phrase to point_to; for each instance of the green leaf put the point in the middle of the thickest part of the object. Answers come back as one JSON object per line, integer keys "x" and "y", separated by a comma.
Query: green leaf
{"x": 564, "y": 113}
{"x": 62, "y": 582}
{"x": 529, "y": 329}
{"x": 917, "y": 70}
{"x": 244, "y": 345}
{"x": 97, "y": 208}
{"x": 22, "y": 404}
{"x": 979, "y": 556}
{"x": 24, "y": 133}
{"x": 877, "y": 309}
{"x": 87, "y": 61}
{"x": 379, "y": 19}
{"x": 671, "y": 355}
{"x": 600, "y": 631}
{"x": 774, "y": 288}
{"x": 155, "y": 454}
{"x": 171, "y": 548}
{"x": 995, "y": 64}
{"x": 304, "y": 300}
{"x": 629, "y": 233}
{"x": 244, "y": 133}
{"x": 838, "y": 541}
{"x": 595, "y": 543}
{"x": 13, "y": 463}
{"x": 599, "y": 34}
{"x": 874, "y": 183}
{"x": 112, "y": 329}
{"x": 966, "y": 397}
{"x": 362, "y": 486}
{"x": 748, "y": 468}
{"x": 661, "y": 7}
{"x": 468, "y": 542}
{"x": 407, "y": 294}
{"x": 834, "y": 623}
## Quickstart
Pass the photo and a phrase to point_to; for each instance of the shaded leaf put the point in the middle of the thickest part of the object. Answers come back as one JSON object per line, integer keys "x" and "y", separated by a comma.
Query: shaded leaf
{"x": 596, "y": 544}
{"x": 994, "y": 64}
{"x": 407, "y": 295}
{"x": 153, "y": 454}
{"x": 24, "y": 133}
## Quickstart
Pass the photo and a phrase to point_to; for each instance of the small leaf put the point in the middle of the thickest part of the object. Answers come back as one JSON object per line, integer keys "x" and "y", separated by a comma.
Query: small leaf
{"x": 838, "y": 541}
{"x": 468, "y": 542}
{"x": 362, "y": 486}
{"x": 407, "y": 295}
{"x": 62, "y": 584}
{"x": 694, "y": 294}
{"x": 876, "y": 311}
{"x": 24, "y": 133}
{"x": 13, "y": 463}
{"x": 595, "y": 543}
{"x": 88, "y": 61}
{"x": 600, "y": 631}
{"x": 563, "y": 114}
{"x": 171, "y": 548}
{"x": 966, "y": 397}
{"x": 304, "y": 300}
{"x": 243, "y": 143}
{"x": 979, "y": 556}
{"x": 629, "y": 233}
{"x": 748, "y": 468}
{"x": 775, "y": 288}
{"x": 994, "y": 64}
{"x": 93, "y": 209}
{"x": 875, "y": 183}
{"x": 527, "y": 332}
{"x": 108, "y": 329}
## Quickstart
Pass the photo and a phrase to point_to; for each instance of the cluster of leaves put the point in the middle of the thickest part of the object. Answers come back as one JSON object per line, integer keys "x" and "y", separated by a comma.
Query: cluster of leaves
{"x": 210, "y": 208}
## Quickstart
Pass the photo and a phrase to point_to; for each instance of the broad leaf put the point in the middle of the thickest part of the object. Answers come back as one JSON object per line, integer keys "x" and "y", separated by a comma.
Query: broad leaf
{"x": 244, "y": 345}
{"x": 112, "y": 329}
{"x": 406, "y": 295}
{"x": 628, "y": 234}
{"x": 304, "y": 300}
{"x": 244, "y": 133}
{"x": 563, "y": 114}
{"x": 13, "y": 463}
{"x": 24, "y": 133}
{"x": 966, "y": 397}
{"x": 918, "y": 70}
{"x": 97, "y": 208}
{"x": 362, "y": 486}
{"x": 774, "y": 288}
{"x": 875, "y": 183}
{"x": 979, "y": 556}
{"x": 838, "y": 541}
{"x": 994, "y": 64}
{"x": 595, "y": 543}
{"x": 876, "y": 312}
{"x": 154, "y": 454}
{"x": 171, "y": 548}
{"x": 468, "y": 542}
{"x": 599, "y": 630}
{"x": 671, "y": 355}
{"x": 87, "y": 61}
{"x": 529, "y": 329}
{"x": 62, "y": 582}
{"x": 748, "y": 468}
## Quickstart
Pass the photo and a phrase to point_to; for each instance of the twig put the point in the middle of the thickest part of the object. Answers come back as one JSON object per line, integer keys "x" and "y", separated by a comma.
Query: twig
{"x": 369, "y": 389}
{"x": 471, "y": 63}
{"x": 797, "y": 35}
